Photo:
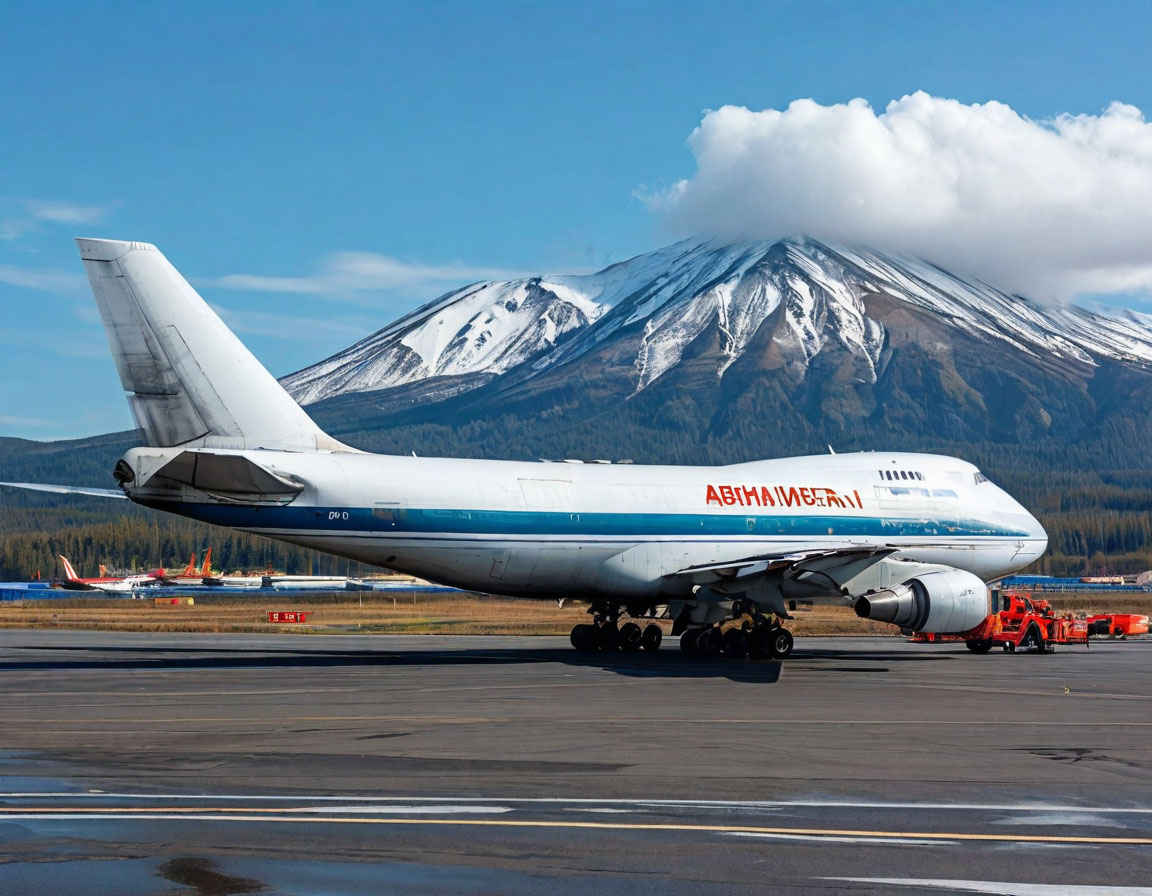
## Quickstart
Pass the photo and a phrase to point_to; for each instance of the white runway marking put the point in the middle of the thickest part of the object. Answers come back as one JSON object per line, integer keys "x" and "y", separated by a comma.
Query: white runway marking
{"x": 294, "y": 816}
{"x": 1002, "y": 888}
{"x": 1056, "y": 810}
{"x": 1070, "y": 819}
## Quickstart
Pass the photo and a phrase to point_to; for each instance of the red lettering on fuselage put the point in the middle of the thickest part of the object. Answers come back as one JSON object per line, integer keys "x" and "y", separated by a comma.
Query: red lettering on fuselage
{"x": 785, "y": 496}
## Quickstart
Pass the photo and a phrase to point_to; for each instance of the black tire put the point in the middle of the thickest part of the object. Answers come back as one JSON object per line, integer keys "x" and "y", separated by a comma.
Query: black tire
{"x": 979, "y": 645}
{"x": 652, "y": 637}
{"x": 630, "y": 637}
{"x": 1032, "y": 640}
{"x": 759, "y": 643}
{"x": 735, "y": 644}
{"x": 708, "y": 641}
{"x": 782, "y": 643}
{"x": 609, "y": 636}
{"x": 1118, "y": 633}
{"x": 585, "y": 638}
{"x": 1009, "y": 647}
{"x": 688, "y": 640}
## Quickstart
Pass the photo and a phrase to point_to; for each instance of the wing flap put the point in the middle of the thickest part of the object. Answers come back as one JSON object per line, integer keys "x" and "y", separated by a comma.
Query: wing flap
{"x": 827, "y": 566}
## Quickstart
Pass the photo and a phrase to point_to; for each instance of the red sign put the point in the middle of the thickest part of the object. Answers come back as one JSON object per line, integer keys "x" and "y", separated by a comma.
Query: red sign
{"x": 286, "y": 616}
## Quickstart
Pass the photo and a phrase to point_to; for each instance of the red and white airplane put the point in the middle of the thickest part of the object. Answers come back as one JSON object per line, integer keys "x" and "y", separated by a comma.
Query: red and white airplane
{"x": 104, "y": 582}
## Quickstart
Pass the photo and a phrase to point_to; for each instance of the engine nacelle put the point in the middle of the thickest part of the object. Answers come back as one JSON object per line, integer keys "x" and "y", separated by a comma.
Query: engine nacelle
{"x": 941, "y": 602}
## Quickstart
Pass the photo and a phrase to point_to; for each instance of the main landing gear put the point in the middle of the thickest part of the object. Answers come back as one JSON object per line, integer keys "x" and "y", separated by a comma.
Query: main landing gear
{"x": 759, "y": 638}
{"x": 607, "y": 634}
{"x": 746, "y": 634}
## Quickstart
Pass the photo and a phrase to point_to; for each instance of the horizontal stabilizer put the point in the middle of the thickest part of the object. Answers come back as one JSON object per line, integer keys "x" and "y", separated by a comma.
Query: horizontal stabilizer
{"x": 229, "y": 477}
{"x": 67, "y": 489}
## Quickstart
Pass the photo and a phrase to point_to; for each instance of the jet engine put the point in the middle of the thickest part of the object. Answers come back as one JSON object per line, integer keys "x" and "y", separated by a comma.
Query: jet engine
{"x": 940, "y": 602}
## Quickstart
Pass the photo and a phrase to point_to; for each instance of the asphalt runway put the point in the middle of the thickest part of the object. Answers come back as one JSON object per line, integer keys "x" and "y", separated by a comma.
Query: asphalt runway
{"x": 221, "y": 764}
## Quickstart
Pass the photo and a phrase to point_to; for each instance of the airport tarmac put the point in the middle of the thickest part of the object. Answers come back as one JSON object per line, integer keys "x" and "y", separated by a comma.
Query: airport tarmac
{"x": 220, "y": 764}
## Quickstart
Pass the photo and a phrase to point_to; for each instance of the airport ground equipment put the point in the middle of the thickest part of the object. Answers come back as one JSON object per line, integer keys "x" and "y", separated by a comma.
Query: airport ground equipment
{"x": 1117, "y": 625}
{"x": 1023, "y": 623}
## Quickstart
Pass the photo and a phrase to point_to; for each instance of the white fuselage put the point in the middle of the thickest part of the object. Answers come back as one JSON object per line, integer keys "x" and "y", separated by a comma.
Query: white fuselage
{"x": 622, "y": 530}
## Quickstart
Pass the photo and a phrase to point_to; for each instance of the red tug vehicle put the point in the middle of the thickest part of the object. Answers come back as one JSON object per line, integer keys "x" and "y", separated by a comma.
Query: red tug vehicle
{"x": 1026, "y": 622}
{"x": 1023, "y": 623}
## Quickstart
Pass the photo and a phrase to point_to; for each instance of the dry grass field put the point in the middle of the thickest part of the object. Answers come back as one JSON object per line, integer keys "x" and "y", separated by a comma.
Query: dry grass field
{"x": 415, "y": 613}
{"x": 418, "y": 613}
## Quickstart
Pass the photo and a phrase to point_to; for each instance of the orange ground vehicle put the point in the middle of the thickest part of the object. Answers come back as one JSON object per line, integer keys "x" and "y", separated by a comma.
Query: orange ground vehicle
{"x": 1023, "y": 623}
{"x": 1118, "y": 625}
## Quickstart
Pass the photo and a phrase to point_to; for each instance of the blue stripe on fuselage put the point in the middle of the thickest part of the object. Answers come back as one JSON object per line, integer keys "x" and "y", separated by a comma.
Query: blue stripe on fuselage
{"x": 536, "y": 522}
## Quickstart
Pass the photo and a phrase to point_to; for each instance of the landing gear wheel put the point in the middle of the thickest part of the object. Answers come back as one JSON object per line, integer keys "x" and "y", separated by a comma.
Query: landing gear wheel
{"x": 708, "y": 641}
{"x": 782, "y": 643}
{"x": 652, "y": 637}
{"x": 585, "y": 638}
{"x": 979, "y": 645}
{"x": 688, "y": 640}
{"x": 735, "y": 644}
{"x": 630, "y": 637}
{"x": 609, "y": 636}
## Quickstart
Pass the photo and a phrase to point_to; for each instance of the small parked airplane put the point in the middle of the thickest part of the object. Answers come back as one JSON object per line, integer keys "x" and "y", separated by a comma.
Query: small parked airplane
{"x": 105, "y": 582}
{"x": 726, "y": 551}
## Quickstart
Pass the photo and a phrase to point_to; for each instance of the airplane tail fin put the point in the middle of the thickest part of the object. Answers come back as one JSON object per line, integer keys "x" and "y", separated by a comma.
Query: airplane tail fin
{"x": 69, "y": 572}
{"x": 189, "y": 380}
{"x": 206, "y": 570}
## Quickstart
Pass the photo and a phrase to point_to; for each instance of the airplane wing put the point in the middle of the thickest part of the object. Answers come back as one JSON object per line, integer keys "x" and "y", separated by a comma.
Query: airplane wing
{"x": 68, "y": 489}
{"x": 827, "y": 567}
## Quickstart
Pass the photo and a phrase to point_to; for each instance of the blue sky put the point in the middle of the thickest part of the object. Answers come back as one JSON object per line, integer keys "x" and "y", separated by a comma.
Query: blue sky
{"x": 427, "y": 144}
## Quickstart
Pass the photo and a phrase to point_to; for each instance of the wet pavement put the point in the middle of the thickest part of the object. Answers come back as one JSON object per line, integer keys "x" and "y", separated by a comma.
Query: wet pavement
{"x": 220, "y": 764}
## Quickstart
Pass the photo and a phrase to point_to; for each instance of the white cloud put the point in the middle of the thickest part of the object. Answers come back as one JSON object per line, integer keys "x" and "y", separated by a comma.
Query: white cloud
{"x": 67, "y": 212}
{"x": 34, "y": 278}
{"x": 30, "y": 215}
{"x": 1050, "y": 208}
{"x": 346, "y": 273}
{"x": 291, "y": 328}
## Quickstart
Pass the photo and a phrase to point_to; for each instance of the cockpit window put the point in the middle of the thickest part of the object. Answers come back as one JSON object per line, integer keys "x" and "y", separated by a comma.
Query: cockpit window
{"x": 980, "y": 477}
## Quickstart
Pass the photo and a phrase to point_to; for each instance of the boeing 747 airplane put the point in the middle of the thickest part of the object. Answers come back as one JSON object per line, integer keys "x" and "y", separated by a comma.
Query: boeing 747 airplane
{"x": 908, "y": 539}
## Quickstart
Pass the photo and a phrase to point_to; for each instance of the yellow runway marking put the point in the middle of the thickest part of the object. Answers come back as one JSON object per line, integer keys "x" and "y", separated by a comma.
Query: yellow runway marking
{"x": 285, "y": 815}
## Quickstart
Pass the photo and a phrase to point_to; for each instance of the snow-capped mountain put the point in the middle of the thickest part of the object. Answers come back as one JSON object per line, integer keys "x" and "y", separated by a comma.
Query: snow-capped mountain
{"x": 477, "y": 332}
{"x": 791, "y": 302}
